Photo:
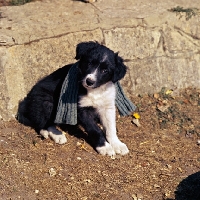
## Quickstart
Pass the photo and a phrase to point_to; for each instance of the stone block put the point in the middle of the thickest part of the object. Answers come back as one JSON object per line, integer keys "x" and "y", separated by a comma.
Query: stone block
{"x": 23, "y": 65}
{"x": 161, "y": 48}
{"x": 148, "y": 76}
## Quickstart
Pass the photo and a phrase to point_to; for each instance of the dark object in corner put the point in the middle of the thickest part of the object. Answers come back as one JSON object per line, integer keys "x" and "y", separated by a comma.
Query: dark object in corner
{"x": 189, "y": 188}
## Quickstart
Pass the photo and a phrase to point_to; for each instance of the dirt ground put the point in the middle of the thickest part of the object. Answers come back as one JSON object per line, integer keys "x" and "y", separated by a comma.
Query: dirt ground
{"x": 163, "y": 163}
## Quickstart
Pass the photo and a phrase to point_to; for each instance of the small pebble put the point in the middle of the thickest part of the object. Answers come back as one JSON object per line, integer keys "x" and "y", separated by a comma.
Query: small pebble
{"x": 78, "y": 144}
{"x": 52, "y": 172}
{"x": 156, "y": 186}
{"x": 134, "y": 197}
{"x": 169, "y": 166}
{"x": 156, "y": 95}
{"x": 139, "y": 196}
{"x": 136, "y": 122}
{"x": 179, "y": 169}
{"x": 87, "y": 180}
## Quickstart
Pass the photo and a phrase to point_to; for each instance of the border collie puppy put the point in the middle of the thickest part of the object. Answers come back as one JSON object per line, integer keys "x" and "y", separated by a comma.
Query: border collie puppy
{"x": 99, "y": 69}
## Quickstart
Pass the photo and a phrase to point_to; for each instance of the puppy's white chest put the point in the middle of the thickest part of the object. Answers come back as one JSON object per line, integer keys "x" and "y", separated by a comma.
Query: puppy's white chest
{"x": 99, "y": 97}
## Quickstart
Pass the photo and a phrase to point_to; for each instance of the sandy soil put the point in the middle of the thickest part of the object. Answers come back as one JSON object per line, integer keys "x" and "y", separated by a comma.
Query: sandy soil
{"x": 163, "y": 163}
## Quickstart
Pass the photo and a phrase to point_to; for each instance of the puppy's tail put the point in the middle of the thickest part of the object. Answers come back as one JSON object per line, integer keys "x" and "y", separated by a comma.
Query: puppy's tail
{"x": 21, "y": 114}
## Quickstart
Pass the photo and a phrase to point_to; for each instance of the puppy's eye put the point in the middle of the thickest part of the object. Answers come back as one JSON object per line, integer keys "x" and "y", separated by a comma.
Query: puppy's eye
{"x": 104, "y": 71}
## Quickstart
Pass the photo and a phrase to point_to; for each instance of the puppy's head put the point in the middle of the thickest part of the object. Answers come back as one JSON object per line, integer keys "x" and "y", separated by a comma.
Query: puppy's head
{"x": 98, "y": 64}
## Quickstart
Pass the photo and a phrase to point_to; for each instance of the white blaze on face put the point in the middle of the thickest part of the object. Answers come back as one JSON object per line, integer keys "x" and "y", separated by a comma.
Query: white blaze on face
{"x": 91, "y": 78}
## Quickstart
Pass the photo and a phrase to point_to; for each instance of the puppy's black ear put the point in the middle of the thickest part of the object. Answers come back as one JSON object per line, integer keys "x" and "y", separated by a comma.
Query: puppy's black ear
{"x": 83, "y": 47}
{"x": 120, "y": 69}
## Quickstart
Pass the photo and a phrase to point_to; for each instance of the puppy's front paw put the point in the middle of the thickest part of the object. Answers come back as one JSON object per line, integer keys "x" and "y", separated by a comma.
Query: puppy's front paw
{"x": 60, "y": 139}
{"x": 106, "y": 150}
{"x": 119, "y": 147}
{"x": 56, "y": 135}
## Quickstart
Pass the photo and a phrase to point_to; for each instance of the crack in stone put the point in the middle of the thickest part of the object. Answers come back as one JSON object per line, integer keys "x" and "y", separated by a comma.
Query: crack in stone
{"x": 188, "y": 34}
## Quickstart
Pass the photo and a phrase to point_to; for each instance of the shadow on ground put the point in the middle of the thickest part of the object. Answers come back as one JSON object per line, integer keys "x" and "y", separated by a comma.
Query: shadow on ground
{"x": 189, "y": 188}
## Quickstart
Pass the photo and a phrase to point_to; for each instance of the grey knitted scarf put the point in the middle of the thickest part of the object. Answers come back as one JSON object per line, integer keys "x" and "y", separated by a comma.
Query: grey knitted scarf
{"x": 67, "y": 105}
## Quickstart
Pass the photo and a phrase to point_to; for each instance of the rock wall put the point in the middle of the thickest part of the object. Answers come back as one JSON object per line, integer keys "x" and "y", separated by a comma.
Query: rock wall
{"x": 160, "y": 48}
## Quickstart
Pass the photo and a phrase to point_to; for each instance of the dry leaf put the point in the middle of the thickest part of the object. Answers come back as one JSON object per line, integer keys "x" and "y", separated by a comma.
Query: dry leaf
{"x": 136, "y": 115}
{"x": 169, "y": 92}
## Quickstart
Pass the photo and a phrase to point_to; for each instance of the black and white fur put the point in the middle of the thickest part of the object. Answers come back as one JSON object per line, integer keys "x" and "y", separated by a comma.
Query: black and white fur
{"x": 99, "y": 69}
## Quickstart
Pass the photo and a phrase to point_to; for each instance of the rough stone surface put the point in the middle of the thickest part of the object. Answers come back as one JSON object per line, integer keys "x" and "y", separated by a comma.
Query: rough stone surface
{"x": 160, "y": 48}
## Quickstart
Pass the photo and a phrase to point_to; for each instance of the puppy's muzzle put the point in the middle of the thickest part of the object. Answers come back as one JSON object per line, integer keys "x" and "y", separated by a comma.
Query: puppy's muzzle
{"x": 89, "y": 82}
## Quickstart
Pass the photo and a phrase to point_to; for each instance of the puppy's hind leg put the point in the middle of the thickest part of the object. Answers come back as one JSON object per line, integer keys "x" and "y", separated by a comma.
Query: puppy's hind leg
{"x": 54, "y": 134}
{"x": 44, "y": 133}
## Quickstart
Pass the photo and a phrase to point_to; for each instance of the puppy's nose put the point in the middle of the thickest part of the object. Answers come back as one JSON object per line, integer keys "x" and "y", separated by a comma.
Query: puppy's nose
{"x": 89, "y": 82}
